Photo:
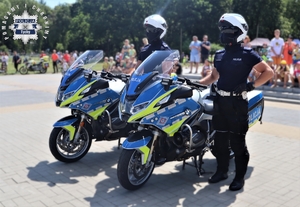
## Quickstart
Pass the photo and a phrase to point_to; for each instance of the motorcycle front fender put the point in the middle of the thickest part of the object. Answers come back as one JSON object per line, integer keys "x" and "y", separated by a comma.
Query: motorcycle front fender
{"x": 66, "y": 123}
{"x": 140, "y": 141}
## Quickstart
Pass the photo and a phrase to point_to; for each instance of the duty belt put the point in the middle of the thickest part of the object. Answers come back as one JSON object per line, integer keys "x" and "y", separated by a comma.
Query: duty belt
{"x": 227, "y": 93}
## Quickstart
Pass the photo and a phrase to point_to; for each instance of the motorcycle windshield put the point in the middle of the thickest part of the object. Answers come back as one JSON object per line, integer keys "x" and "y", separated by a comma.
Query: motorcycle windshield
{"x": 85, "y": 61}
{"x": 157, "y": 66}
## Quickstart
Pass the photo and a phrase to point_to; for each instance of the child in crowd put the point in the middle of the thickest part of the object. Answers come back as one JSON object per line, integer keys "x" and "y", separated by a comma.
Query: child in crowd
{"x": 206, "y": 68}
{"x": 295, "y": 77}
{"x": 282, "y": 72}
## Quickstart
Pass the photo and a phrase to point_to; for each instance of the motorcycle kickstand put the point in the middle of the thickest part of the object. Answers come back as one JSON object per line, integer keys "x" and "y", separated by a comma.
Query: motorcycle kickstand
{"x": 200, "y": 163}
{"x": 183, "y": 165}
{"x": 119, "y": 143}
{"x": 197, "y": 166}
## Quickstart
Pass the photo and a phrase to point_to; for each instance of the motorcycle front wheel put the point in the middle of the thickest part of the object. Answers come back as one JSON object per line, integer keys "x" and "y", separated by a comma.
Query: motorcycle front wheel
{"x": 65, "y": 150}
{"x": 131, "y": 173}
{"x": 23, "y": 70}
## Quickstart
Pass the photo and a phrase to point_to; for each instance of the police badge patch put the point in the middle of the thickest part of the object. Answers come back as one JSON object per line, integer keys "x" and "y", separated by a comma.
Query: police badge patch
{"x": 25, "y": 27}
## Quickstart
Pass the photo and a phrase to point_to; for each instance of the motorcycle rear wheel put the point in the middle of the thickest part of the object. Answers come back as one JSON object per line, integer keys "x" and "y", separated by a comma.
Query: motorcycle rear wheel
{"x": 23, "y": 70}
{"x": 131, "y": 173}
{"x": 43, "y": 70}
{"x": 65, "y": 150}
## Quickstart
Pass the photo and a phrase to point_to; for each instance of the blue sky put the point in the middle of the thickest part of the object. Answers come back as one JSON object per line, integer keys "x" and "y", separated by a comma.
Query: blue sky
{"x": 53, "y": 3}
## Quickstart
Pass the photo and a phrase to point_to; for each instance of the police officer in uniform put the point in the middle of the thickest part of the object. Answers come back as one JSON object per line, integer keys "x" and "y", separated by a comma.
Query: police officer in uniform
{"x": 156, "y": 29}
{"x": 231, "y": 68}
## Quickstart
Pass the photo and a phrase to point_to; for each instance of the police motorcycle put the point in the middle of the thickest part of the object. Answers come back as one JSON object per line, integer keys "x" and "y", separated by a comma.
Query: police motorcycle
{"x": 32, "y": 65}
{"x": 173, "y": 117}
{"x": 93, "y": 99}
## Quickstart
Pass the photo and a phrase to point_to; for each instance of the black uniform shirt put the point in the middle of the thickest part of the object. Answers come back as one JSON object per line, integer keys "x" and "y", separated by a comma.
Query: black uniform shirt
{"x": 234, "y": 65}
{"x": 148, "y": 49}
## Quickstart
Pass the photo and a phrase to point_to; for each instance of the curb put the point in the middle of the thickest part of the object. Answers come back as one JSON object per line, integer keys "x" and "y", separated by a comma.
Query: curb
{"x": 284, "y": 100}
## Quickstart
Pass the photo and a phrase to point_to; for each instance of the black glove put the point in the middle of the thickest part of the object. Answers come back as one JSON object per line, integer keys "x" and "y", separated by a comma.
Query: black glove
{"x": 244, "y": 87}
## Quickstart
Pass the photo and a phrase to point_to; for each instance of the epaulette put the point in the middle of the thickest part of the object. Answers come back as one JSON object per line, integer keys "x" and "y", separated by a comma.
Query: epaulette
{"x": 220, "y": 51}
{"x": 247, "y": 49}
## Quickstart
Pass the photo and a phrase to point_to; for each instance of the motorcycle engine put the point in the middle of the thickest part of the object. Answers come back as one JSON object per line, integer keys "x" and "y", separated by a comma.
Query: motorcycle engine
{"x": 182, "y": 139}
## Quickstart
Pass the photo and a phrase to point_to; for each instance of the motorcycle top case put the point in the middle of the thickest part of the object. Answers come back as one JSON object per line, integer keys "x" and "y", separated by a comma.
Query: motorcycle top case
{"x": 255, "y": 106}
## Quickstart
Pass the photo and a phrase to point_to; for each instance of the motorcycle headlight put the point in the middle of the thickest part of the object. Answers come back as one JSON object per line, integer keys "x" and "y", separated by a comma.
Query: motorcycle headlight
{"x": 139, "y": 107}
{"x": 68, "y": 95}
{"x": 59, "y": 95}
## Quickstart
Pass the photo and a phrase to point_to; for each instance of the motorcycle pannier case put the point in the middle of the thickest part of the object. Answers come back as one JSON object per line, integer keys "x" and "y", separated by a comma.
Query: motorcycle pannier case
{"x": 255, "y": 106}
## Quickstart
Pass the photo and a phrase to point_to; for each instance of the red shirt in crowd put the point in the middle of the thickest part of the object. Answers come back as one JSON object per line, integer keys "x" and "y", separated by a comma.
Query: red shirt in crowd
{"x": 66, "y": 57}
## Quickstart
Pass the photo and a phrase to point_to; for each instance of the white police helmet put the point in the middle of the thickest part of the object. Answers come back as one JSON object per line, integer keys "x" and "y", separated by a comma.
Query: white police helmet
{"x": 156, "y": 27}
{"x": 233, "y": 28}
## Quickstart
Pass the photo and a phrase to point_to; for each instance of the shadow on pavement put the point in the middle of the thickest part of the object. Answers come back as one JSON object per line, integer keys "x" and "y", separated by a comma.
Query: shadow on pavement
{"x": 58, "y": 172}
{"x": 176, "y": 187}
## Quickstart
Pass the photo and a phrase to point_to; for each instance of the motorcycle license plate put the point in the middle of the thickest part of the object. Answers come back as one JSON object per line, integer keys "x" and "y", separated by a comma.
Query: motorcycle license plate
{"x": 46, "y": 64}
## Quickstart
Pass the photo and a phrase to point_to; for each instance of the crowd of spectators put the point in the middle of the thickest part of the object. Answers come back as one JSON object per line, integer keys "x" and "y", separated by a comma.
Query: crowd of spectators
{"x": 124, "y": 61}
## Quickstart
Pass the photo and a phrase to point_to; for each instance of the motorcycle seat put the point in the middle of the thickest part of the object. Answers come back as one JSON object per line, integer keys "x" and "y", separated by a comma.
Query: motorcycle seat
{"x": 208, "y": 106}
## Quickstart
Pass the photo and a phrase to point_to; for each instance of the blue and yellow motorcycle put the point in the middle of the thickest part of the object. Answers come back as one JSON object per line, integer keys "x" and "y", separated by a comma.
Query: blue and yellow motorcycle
{"x": 93, "y": 99}
{"x": 173, "y": 116}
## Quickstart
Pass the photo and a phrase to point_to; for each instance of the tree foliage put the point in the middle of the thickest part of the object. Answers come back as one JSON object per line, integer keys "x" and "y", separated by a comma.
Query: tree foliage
{"x": 104, "y": 24}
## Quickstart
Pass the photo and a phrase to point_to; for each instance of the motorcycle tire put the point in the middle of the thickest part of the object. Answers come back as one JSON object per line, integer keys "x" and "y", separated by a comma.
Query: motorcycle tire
{"x": 43, "y": 70}
{"x": 131, "y": 173}
{"x": 23, "y": 70}
{"x": 68, "y": 151}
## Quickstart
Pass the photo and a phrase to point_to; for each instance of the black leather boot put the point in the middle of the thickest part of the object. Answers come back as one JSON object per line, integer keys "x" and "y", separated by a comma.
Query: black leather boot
{"x": 237, "y": 184}
{"x": 217, "y": 177}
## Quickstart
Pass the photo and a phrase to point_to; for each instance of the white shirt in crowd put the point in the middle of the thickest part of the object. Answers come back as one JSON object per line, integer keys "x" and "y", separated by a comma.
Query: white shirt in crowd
{"x": 277, "y": 44}
{"x": 4, "y": 58}
{"x": 75, "y": 56}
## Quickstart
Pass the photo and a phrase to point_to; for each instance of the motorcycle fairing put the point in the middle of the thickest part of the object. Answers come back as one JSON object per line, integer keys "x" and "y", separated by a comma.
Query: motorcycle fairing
{"x": 77, "y": 93}
{"x": 66, "y": 123}
{"x": 152, "y": 101}
{"x": 170, "y": 118}
{"x": 95, "y": 104}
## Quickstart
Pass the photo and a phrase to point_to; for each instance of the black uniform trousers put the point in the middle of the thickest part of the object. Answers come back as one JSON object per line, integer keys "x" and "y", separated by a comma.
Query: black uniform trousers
{"x": 231, "y": 125}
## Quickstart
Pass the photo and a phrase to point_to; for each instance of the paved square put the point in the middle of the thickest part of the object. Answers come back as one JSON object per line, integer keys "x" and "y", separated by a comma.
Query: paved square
{"x": 30, "y": 176}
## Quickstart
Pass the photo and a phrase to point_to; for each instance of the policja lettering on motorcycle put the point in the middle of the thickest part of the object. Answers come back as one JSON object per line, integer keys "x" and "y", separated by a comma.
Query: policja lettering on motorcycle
{"x": 232, "y": 67}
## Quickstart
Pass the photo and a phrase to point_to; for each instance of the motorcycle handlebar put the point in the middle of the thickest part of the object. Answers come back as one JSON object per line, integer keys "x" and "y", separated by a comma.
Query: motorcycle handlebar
{"x": 195, "y": 84}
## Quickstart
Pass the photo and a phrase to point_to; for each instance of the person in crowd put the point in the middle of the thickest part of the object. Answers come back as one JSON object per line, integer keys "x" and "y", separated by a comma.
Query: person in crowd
{"x": 128, "y": 65}
{"x": 42, "y": 54}
{"x": 156, "y": 29}
{"x": 16, "y": 60}
{"x": 263, "y": 52}
{"x": 296, "y": 55}
{"x": 276, "y": 44}
{"x": 295, "y": 77}
{"x": 195, "y": 53}
{"x": 145, "y": 42}
{"x": 231, "y": 68}
{"x": 66, "y": 57}
{"x": 111, "y": 63}
{"x": 72, "y": 59}
{"x": 282, "y": 72}
{"x": 270, "y": 63}
{"x": 125, "y": 48}
{"x": 105, "y": 65}
{"x": 75, "y": 55}
{"x": 4, "y": 61}
{"x": 205, "y": 49}
{"x": 288, "y": 49}
{"x": 185, "y": 60}
{"x": 206, "y": 69}
{"x": 246, "y": 42}
{"x": 55, "y": 59}
{"x": 132, "y": 51}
